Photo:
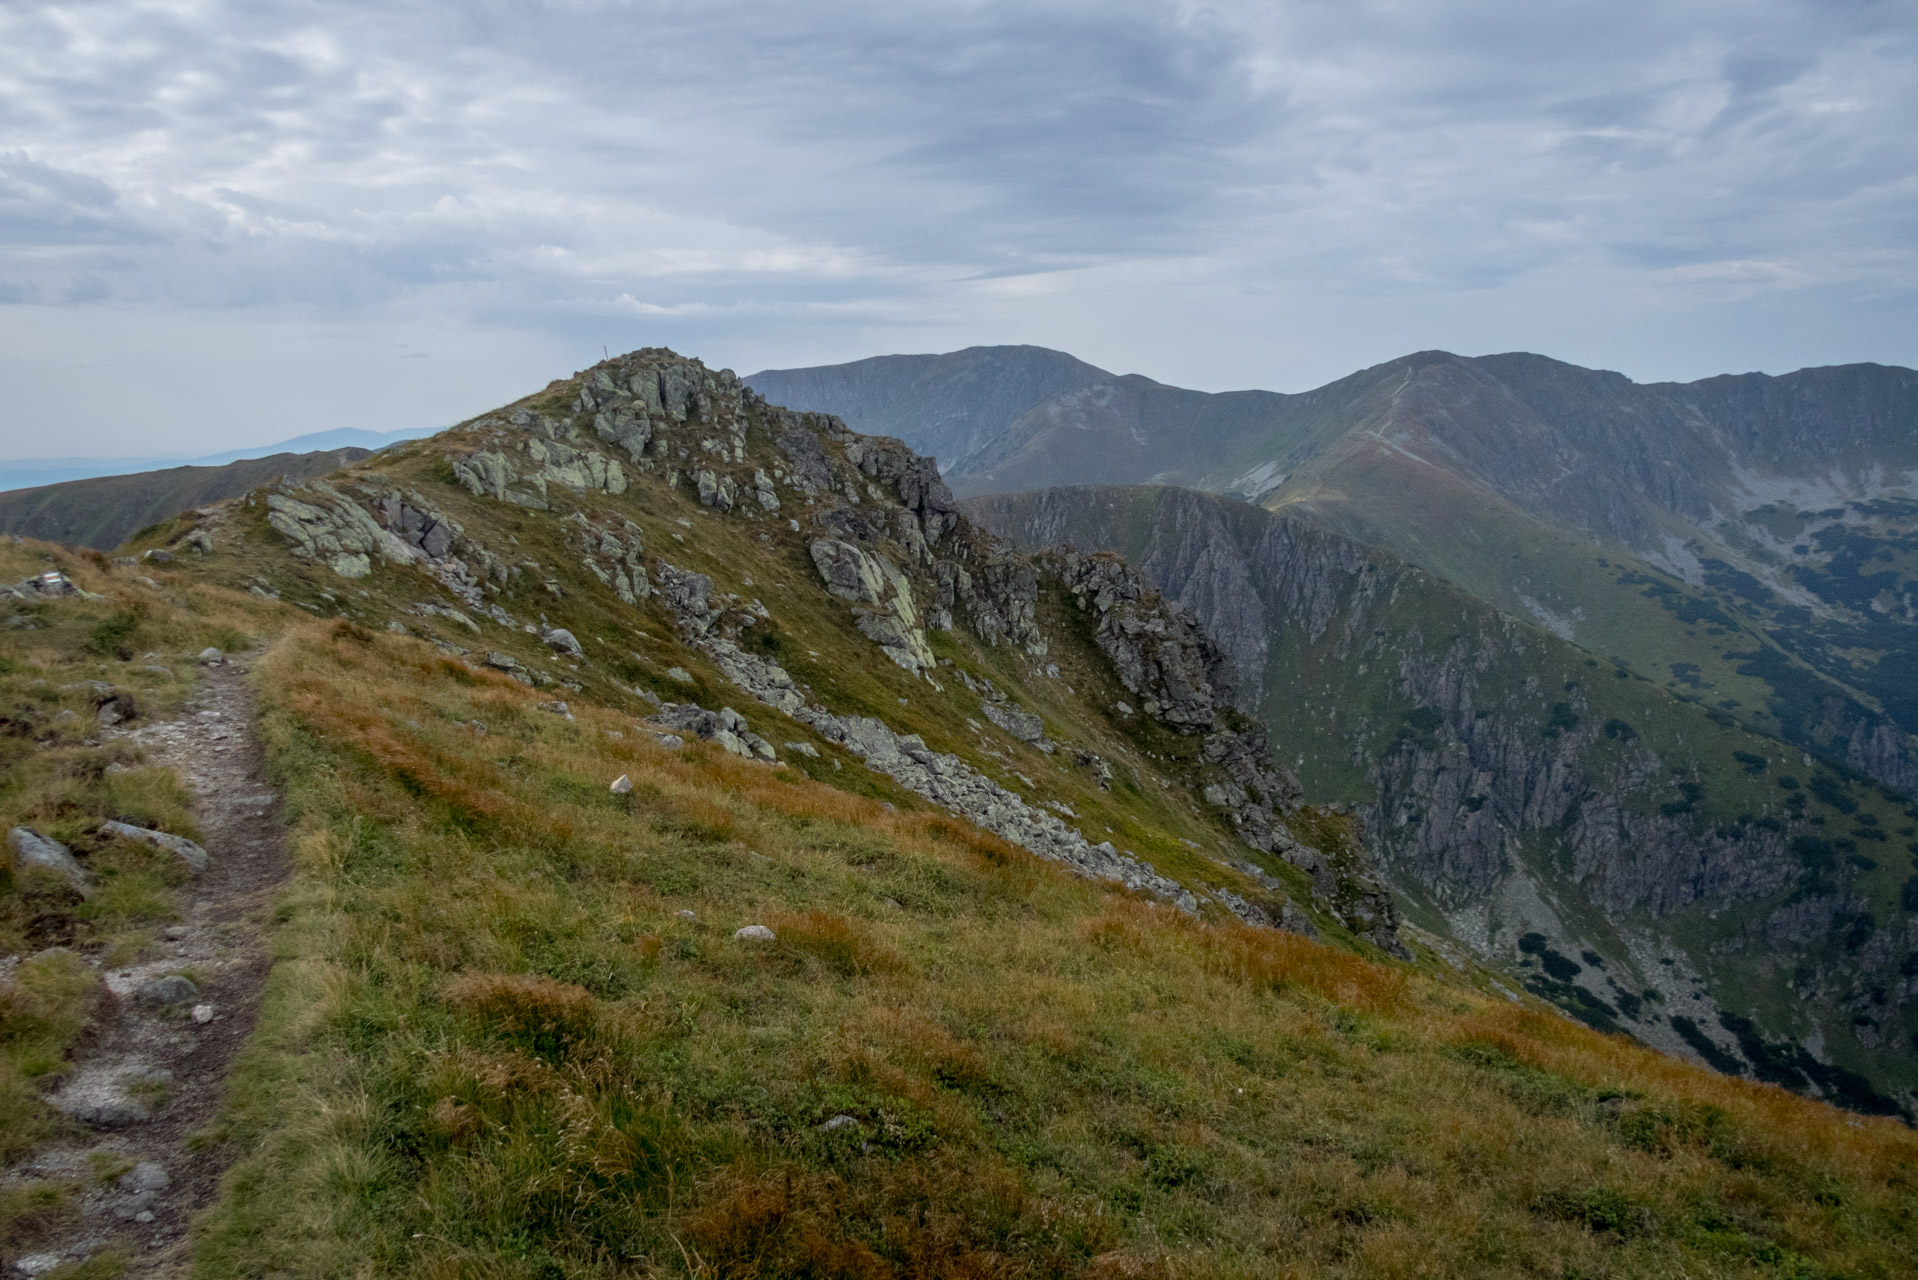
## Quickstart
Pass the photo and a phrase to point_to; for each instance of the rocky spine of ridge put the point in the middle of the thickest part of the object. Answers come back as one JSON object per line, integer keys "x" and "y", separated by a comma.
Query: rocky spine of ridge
{"x": 886, "y": 538}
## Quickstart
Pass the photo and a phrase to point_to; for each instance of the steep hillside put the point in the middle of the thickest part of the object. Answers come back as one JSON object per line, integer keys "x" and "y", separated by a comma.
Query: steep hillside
{"x": 106, "y": 511}
{"x": 675, "y": 891}
{"x": 945, "y": 406}
{"x": 1746, "y": 537}
{"x": 1727, "y": 898}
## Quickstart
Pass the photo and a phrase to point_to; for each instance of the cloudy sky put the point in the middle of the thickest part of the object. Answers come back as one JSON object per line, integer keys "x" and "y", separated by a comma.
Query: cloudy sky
{"x": 227, "y": 223}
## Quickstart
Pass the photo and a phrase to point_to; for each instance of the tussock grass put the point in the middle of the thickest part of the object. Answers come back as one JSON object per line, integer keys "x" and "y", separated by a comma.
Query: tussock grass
{"x": 495, "y": 1046}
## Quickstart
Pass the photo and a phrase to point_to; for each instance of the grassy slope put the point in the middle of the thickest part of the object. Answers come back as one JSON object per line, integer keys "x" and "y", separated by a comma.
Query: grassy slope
{"x": 497, "y": 1047}
{"x": 1508, "y": 559}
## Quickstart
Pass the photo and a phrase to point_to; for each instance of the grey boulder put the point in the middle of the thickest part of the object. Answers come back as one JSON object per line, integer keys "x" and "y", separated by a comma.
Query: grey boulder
{"x": 31, "y": 849}
{"x": 188, "y": 852}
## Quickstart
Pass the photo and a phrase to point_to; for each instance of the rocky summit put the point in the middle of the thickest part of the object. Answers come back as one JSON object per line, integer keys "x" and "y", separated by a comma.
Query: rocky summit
{"x": 648, "y": 830}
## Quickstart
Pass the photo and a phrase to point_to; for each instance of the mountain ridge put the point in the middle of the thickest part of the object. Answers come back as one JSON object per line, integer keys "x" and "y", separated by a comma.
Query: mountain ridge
{"x": 1760, "y": 511}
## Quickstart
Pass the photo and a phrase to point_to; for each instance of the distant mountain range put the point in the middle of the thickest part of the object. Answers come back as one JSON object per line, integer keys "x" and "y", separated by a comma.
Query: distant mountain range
{"x": 1750, "y": 542}
{"x": 28, "y": 473}
{"x": 103, "y": 511}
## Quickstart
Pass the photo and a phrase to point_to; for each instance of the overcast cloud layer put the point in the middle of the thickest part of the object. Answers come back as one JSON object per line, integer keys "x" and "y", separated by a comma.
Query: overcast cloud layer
{"x": 225, "y": 223}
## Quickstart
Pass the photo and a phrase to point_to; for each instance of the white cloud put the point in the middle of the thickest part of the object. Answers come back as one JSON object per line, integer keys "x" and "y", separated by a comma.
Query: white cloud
{"x": 1219, "y": 195}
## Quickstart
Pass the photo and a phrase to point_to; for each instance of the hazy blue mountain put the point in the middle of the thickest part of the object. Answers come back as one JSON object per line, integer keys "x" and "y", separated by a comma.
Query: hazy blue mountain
{"x": 27, "y": 473}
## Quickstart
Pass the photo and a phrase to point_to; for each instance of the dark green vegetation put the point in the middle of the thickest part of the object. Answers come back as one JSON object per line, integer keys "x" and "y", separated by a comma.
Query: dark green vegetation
{"x": 104, "y": 512}
{"x": 1518, "y": 786}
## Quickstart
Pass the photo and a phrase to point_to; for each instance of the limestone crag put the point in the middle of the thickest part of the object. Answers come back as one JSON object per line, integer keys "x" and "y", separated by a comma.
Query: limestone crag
{"x": 1182, "y": 678}
{"x": 888, "y": 617}
{"x": 326, "y": 525}
{"x": 615, "y": 557}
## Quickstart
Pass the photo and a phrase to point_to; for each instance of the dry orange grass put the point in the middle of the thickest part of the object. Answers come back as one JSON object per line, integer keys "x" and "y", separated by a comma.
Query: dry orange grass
{"x": 1049, "y": 1076}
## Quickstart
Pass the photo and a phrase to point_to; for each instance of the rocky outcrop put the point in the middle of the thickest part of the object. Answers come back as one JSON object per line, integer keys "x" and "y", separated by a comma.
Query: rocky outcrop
{"x": 882, "y": 598}
{"x": 324, "y": 524}
{"x": 938, "y": 776}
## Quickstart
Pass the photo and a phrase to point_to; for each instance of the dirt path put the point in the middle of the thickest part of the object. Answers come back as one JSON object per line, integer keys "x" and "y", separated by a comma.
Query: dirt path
{"x": 152, "y": 1076}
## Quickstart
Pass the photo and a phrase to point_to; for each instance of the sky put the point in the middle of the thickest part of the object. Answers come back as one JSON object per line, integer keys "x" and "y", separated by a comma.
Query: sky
{"x": 228, "y": 223}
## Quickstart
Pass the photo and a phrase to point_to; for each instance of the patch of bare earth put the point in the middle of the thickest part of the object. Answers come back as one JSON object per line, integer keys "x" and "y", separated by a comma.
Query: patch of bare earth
{"x": 151, "y": 1077}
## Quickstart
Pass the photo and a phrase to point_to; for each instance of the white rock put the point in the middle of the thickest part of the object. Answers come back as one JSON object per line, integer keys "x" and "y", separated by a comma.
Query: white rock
{"x": 839, "y": 1122}
{"x": 203, "y": 1013}
{"x": 37, "y": 1264}
{"x": 622, "y": 785}
{"x": 755, "y": 933}
{"x": 686, "y": 914}
{"x": 211, "y": 656}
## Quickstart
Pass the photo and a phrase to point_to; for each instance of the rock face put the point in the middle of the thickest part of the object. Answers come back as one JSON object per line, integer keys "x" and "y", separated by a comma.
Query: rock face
{"x": 1512, "y": 783}
{"x": 1160, "y": 653}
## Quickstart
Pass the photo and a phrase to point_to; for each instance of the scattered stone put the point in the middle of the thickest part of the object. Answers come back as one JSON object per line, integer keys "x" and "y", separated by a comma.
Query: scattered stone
{"x": 804, "y": 749}
{"x": 557, "y": 708}
{"x": 686, "y": 914}
{"x": 37, "y": 1264}
{"x": 754, "y": 933}
{"x": 561, "y": 640}
{"x": 202, "y": 1014}
{"x": 839, "y": 1122}
{"x": 157, "y": 556}
{"x": 1022, "y": 725}
{"x": 187, "y": 851}
{"x": 31, "y": 849}
{"x": 679, "y": 675}
{"x": 175, "y": 988}
{"x": 726, "y": 727}
{"x": 175, "y": 932}
{"x": 105, "y": 1093}
{"x": 145, "y": 1176}
{"x": 211, "y": 656}
{"x": 622, "y": 785}
{"x": 671, "y": 741}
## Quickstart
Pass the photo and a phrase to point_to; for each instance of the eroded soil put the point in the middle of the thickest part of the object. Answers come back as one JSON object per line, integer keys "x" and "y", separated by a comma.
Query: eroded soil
{"x": 151, "y": 1077}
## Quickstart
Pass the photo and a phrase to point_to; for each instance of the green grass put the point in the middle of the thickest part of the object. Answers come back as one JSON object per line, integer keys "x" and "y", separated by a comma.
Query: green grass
{"x": 494, "y": 1046}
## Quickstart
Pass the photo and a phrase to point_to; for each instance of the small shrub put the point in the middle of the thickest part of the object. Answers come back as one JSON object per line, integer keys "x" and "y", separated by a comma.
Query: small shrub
{"x": 547, "y": 1018}
{"x": 118, "y": 635}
